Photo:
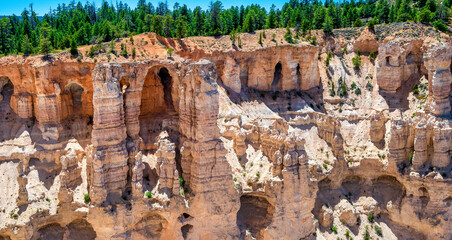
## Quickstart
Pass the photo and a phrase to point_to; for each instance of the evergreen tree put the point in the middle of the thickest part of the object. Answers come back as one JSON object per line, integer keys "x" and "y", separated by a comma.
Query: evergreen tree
{"x": 5, "y": 36}
{"x": 44, "y": 43}
{"x": 26, "y": 46}
{"x": 74, "y": 50}
{"x": 328, "y": 25}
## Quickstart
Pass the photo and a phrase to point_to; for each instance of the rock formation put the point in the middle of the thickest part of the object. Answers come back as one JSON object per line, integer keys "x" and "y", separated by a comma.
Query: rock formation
{"x": 261, "y": 141}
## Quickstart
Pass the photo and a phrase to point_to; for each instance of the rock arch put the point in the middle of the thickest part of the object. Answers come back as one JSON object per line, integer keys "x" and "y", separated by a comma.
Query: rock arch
{"x": 80, "y": 229}
{"x": 186, "y": 230}
{"x": 52, "y": 231}
{"x": 75, "y": 91}
{"x": 255, "y": 214}
{"x": 151, "y": 226}
{"x": 158, "y": 109}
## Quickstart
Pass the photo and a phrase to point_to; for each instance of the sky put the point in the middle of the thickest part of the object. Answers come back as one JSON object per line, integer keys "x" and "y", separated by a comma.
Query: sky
{"x": 41, "y": 7}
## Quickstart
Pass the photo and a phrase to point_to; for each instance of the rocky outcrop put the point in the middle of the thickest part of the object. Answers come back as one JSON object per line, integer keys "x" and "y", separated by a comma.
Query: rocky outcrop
{"x": 437, "y": 61}
{"x": 242, "y": 143}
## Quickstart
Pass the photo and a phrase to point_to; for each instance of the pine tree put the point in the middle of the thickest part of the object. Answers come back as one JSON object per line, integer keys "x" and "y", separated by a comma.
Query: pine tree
{"x": 5, "y": 36}
{"x": 26, "y": 46}
{"x": 260, "y": 38}
{"x": 44, "y": 43}
{"x": 328, "y": 25}
{"x": 74, "y": 50}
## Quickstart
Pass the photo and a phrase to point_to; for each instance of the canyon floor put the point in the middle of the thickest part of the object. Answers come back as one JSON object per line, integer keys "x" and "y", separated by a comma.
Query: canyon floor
{"x": 345, "y": 136}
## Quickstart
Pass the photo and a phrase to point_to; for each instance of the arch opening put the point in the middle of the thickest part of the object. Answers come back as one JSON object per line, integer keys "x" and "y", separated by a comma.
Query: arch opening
{"x": 255, "y": 214}
{"x": 6, "y": 92}
{"x": 151, "y": 226}
{"x": 76, "y": 92}
{"x": 277, "y": 76}
{"x": 186, "y": 230}
{"x": 157, "y": 111}
{"x": 166, "y": 80}
{"x": 51, "y": 231}
{"x": 80, "y": 229}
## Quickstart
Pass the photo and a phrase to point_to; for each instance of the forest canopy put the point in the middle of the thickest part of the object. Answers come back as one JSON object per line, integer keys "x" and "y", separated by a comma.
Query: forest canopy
{"x": 78, "y": 24}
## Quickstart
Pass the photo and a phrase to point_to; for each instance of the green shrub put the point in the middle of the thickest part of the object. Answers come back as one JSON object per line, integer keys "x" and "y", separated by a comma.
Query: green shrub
{"x": 411, "y": 157}
{"x": 358, "y": 23}
{"x": 367, "y": 234}
{"x": 112, "y": 47}
{"x": 134, "y": 52}
{"x": 124, "y": 52}
{"x": 260, "y": 38}
{"x": 353, "y": 85}
{"x": 369, "y": 86}
{"x": 370, "y": 217}
{"x": 288, "y": 35}
{"x": 342, "y": 88}
{"x": 347, "y": 233}
{"x": 372, "y": 56}
{"x": 74, "y": 50}
{"x": 325, "y": 166}
{"x": 416, "y": 89}
{"x": 328, "y": 58}
{"x": 131, "y": 38}
{"x": 170, "y": 51}
{"x": 425, "y": 15}
{"x": 439, "y": 25}
{"x": 313, "y": 40}
{"x": 371, "y": 24}
{"x": 358, "y": 91}
{"x": 235, "y": 179}
{"x": 334, "y": 229}
{"x": 87, "y": 198}
{"x": 357, "y": 60}
{"x": 181, "y": 181}
{"x": 378, "y": 231}
{"x": 148, "y": 194}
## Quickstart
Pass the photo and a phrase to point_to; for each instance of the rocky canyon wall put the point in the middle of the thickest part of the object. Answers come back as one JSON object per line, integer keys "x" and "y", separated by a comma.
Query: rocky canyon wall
{"x": 267, "y": 141}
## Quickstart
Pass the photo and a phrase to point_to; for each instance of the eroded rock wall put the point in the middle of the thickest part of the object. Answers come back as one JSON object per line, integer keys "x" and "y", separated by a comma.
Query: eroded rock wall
{"x": 243, "y": 144}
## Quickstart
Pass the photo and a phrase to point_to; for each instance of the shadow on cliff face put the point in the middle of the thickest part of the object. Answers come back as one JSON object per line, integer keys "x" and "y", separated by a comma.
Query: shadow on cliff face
{"x": 151, "y": 226}
{"x": 11, "y": 125}
{"x": 384, "y": 189}
{"x": 47, "y": 170}
{"x": 157, "y": 112}
{"x": 78, "y": 229}
{"x": 150, "y": 177}
{"x": 399, "y": 98}
{"x": 401, "y": 232}
{"x": 254, "y": 215}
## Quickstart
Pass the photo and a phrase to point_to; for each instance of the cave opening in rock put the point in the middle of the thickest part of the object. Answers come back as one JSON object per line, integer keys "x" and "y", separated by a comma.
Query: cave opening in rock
{"x": 80, "y": 229}
{"x": 6, "y": 91}
{"x": 151, "y": 226}
{"x": 53, "y": 231}
{"x": 157, "y": 111}
{"x": 255, "y": 214}
{"x": 166, "y": 80}
{"x": 76, "y": 92}
{"x": 298, "y": 76}
{"x": 277, "y": 76}
{"x": 186, "y": 229}
{"x": 388, "y": 189}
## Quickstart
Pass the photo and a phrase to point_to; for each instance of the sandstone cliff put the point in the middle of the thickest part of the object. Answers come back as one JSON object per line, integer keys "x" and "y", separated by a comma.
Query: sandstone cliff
{"x": 265, "y": 141}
